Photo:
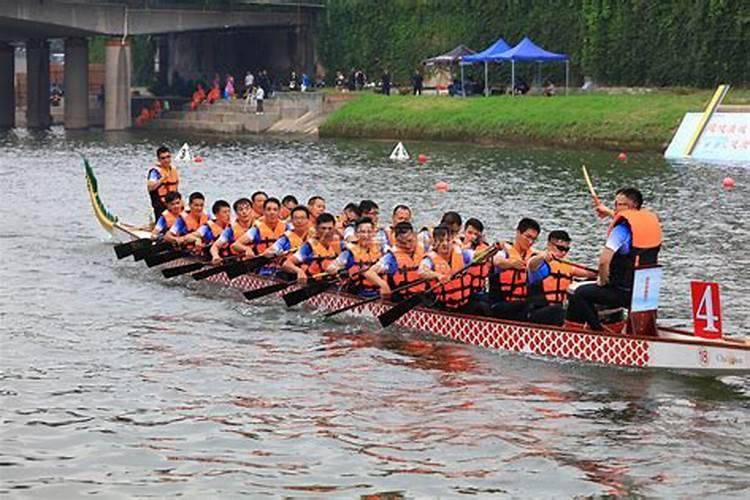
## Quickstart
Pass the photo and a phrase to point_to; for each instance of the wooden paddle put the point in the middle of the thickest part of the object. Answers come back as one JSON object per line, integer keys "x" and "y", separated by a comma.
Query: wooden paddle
{"x": 173, "y": 272}
{"x": 276, "y": 287}
{"x": 393, "y": 314}
{"x": 307, "y": 292}
{"x": 247, "y": 266}
{"x": 158, "y": 246}
{"x": 163, "y": 258}
{"x": 123, "y": 250}
{"x": 574, "y": 264}
{"x": 374, "y": 299}
{"x": 597, "y": 201}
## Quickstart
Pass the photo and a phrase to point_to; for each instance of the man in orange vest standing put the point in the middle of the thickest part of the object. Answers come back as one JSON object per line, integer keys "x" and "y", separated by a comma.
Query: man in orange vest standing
{"x": 162, "y": 178}
{"x": 633, "y": 241}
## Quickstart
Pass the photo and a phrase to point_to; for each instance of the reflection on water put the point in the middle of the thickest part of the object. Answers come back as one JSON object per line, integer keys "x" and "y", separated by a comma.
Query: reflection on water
{"x": 116, "y": 382}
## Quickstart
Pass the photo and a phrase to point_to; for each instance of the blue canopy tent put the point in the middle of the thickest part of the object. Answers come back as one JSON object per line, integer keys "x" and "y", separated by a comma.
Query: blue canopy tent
{"x": 487, "y": 55}
{"x": 526, "y": 50}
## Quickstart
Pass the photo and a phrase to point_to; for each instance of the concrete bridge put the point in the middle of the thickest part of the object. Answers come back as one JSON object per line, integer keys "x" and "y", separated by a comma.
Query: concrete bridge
{"x": 194, "y": 37}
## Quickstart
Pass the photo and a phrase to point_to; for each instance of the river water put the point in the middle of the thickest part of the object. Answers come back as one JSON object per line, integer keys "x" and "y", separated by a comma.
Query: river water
{"x": 118, "y": 383}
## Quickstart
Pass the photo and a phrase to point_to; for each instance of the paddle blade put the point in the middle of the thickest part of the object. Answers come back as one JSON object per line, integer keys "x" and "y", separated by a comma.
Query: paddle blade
{"x": 142, "y": 253}
{"x": 267, "y": 290}
{"x": 394, "y": 313}
{"x": 211, "y": 271}
{"x": 236, "y": 269}
{"x": 126, "y": 249}
{"x": 305, "y": 293}
{"x": 180, "y": 270}
{"x": 163, "y": 258}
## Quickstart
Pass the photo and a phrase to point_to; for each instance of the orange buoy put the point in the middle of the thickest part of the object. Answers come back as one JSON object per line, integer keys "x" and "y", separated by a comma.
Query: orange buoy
{"x": 622, "y": 156}
{"x": 422, "y": 158}
{"x": 198, "y": 159}
{"x": 728, "y": 183}
{"x": 441, "y": 186}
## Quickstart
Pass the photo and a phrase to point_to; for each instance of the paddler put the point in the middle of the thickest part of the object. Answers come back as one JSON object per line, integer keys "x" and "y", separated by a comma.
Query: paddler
{"x": 288, "y": 202}
{"x": 316, "y": 205}
{"x": 399, "y": 266}
{"x": 508, "y": 291}
{"x": 347, "y": 218}
{"x": 207, "y": 233}
{"x": 358, "y": 257}
{"x": 259, "y": 199}
{"x": 316, "y": 254}
{"x": 371, "y": 210}
{"x": 293, "y": 238}
{"x": 473, "y": 239}
{"x": 168, "y": 216}
{"x": 162, "y": 178}
{"x": 401, "y": 213}
{"x": 633, "y": 240}
{"x": 549, "y": 276}
{"x": 262, "y": 235}
{"x": 221, "y": 248}
{"x": 439, "y": 264}
{"x": 188, "y": 221}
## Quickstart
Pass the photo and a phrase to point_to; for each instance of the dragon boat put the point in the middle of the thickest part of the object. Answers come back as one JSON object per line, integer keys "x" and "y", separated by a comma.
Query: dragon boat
{"x": 669, "y": 348}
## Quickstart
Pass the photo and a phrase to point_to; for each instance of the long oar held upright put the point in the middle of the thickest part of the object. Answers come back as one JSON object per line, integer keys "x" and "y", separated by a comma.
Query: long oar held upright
{"x": 393, "y": 314}
{"x": 594, "y": 196}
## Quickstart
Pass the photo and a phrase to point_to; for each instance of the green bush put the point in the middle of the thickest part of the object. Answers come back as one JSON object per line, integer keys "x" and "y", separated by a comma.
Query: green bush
{"x": 620, "y": 42}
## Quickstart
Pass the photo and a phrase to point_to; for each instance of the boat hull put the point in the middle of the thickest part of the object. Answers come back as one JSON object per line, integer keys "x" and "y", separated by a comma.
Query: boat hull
{"x": 680, "y": 352}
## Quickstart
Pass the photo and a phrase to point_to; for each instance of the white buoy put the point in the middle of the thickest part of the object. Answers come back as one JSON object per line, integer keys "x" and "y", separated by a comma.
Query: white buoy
{"x": 399, "y": 153}
{"x": 184, "y": 155}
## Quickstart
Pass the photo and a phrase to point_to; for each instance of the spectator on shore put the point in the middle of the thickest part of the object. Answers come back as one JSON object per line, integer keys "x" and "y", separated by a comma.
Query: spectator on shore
{"x": 521, "y": 87}
{"x": 360, "y": 79}
{"x": 340, "y": 82}
{"x": 293, "y": 81}
{"x": 306, "y": 83}
{"x": 249, "y": 82}
{"x": 386, "y": 83}
{"x": 260, "y": 94}
{"x": 352, "y": 80}
{"x": 417, "y": 81}
{"x": 214, "y": 94}
{"x": 229, "y": 88}
{"x": 549, "y": 89}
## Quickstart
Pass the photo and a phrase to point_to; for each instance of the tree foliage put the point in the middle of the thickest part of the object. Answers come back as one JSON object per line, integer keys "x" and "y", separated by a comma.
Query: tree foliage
{"x": 618, "y": 42}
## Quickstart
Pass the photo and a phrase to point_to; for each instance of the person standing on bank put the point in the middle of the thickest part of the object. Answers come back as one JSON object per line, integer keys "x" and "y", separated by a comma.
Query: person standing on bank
{"x": 260, "y": 94}
{"x": 162, "y": 178}
{"x": 417, "y": 82}
{"x": 386, "y": 78}
{"x": 634, "y": 240}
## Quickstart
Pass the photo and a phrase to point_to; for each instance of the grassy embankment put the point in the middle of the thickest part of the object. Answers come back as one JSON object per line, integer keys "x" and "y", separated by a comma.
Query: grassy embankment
{"x": 645, "y": 121}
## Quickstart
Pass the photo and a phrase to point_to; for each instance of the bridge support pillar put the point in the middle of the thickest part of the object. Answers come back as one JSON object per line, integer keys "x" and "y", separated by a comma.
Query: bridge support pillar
{"x": 117, "y": 68}
{"x": 76, "y": 83}
{"x": 7, "y": 87}
{"x": 37, "y": 84}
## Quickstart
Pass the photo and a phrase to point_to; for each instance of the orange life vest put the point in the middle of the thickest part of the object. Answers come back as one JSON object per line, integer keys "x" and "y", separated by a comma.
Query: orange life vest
{"x": 513, "y": 281}
{"x": 555, "y": 284}
{"x": 268, "y": 236}
{"x": 170, "y": 180}
{"x": 456, "y": 292}
{"x": 216, "y": 229}
{"x": 169, "y": 218}
{"x": 296, "y": 240}
{"x": 323, "y": 257}
{"x": 408, "y": 271}
{"x": 237, "y": 231}
{"x": 479, "y": 273}
{"x": 191, "y": 224}
{"x": 645, "y": 244}
{"x": 363, "y": 259}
